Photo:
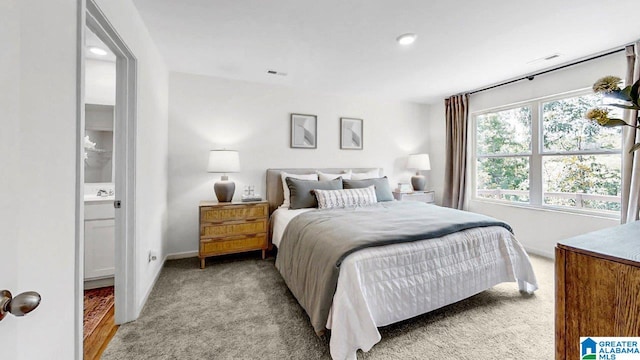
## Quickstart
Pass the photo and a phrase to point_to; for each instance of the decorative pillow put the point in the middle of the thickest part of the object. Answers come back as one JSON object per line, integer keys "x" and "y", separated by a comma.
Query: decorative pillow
{"x": 302, "y": 191}
{"x": 326, "y": 177}
{"x": 375, "y": 173}
{"x": 285, "y": 188}
{"x": 328, "y": 199}
{"x": 383, "y": 190}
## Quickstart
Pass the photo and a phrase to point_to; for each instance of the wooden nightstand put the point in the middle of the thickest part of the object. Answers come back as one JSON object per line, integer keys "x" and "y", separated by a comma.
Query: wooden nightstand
{"x": 428, "y": 197}
{"x": 234, "y": 227}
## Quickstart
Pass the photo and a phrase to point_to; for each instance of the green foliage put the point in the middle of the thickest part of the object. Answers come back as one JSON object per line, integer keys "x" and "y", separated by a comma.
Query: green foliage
{"x": 583, "y": 174}
{"x": 510, "y": 173}
{"x": 588, "y": 174}
{"x": 505, "y": 132}
{"x": 566, "y": 129}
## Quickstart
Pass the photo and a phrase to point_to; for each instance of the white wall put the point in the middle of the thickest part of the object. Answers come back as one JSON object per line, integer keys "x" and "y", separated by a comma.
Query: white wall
{"x": 209, "y": 113}
{"x": 537, "y": 229}
{"x": 151, "y": 139}
{"x": 100, "y": 87}
{"x": 37, "y": 190}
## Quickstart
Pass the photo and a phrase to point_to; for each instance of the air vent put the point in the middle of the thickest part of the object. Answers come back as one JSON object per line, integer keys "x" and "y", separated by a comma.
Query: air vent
{"x": 546, "y": 58}
{"x": 273, "y": 72}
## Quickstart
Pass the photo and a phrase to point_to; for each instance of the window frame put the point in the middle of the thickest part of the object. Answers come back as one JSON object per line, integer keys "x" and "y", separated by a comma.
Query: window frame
{"x": 536, "y": 155}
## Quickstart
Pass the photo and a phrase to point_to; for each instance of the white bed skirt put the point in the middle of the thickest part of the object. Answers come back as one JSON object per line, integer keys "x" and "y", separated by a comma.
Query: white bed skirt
{"x": 383, "y": 285}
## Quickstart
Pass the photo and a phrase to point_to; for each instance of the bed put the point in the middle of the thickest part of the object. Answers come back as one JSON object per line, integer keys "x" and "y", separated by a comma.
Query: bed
{"x": 381, "y": 285}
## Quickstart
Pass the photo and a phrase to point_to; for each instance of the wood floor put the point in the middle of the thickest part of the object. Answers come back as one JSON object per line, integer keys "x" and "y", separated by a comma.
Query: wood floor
{"x": 99, "y": 325}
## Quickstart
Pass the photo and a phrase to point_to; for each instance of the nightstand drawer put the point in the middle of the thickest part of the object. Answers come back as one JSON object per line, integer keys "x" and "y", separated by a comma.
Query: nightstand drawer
{"x": 234, "y": 244}
{"x": 233, "y": 228}
{"x": 422, "y": 196}
{"x": 233, "y": 212}
{"x": 418, "y": 197}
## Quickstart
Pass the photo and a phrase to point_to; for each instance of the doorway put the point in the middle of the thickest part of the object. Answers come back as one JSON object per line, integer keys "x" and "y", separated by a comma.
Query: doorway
{"x": 99, "y": 195}
{"x": 106, "y": 178}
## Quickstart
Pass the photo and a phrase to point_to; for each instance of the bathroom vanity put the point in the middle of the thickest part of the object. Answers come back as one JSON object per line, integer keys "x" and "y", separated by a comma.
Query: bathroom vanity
{"x": 99, "y": 241}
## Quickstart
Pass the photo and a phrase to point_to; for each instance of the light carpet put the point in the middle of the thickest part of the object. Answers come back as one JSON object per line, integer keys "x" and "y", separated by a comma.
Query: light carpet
{"x": 240, "y": 308}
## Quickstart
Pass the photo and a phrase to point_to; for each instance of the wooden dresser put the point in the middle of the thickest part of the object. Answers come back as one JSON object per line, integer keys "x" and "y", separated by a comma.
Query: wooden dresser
{"x": 234, "y": 227}
{"x": 597, "y": 287}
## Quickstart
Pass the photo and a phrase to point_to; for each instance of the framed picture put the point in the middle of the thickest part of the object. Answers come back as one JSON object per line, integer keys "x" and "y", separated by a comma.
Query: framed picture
{"x": 304, "y": 129}
{"x": 351, "y": 134}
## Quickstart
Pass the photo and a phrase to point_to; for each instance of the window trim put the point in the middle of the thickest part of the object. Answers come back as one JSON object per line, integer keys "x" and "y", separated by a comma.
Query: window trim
{"x": 536, "y": 155}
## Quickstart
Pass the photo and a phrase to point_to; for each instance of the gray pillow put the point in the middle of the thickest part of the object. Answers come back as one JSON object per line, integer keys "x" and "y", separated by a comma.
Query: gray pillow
{"x": 383, "y": 190}
{"x": 302, "y": 195}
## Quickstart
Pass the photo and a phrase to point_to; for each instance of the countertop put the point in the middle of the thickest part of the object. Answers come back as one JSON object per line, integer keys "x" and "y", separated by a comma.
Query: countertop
{"x": 97, "y": 199}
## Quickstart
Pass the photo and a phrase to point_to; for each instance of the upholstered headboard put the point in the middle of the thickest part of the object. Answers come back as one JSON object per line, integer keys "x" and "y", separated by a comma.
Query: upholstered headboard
{"x": 275, "y": 195}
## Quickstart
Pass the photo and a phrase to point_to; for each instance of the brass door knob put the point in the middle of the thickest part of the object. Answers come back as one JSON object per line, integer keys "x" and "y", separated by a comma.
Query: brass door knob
{"x": 20, "y": 305}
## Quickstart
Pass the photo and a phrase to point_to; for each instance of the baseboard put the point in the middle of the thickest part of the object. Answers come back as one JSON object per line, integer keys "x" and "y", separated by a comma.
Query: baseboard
{"x": 149, "y": 289}
{"x": 182, "y": 255}
{"x": 98, "y": 283}
{"x": 549, "y": 255}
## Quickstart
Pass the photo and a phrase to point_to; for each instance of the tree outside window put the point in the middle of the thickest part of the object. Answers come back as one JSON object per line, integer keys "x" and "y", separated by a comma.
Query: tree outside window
{"x": 572, "y": 162}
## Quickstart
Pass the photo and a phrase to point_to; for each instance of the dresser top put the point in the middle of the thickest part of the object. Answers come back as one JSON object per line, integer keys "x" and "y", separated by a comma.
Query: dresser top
{"x": 216, "y": 203}
{"x": 621, "y": 242}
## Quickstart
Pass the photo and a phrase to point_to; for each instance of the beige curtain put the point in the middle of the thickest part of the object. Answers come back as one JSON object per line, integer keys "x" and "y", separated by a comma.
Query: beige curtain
{"x": 457, "y": 118}
{"x": 631, "y": 162}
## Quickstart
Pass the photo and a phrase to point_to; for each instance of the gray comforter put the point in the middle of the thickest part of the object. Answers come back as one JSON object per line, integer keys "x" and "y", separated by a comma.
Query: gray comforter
{"x": 315, "y": 243}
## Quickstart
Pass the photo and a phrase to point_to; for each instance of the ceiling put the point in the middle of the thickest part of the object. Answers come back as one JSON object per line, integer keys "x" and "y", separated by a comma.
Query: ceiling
{"x": 348, "y": 47}
{"x": 92, "y": 40}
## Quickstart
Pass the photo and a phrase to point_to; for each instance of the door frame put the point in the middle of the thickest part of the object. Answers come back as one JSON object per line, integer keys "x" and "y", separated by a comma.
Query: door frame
{"x": 125, "y": 112}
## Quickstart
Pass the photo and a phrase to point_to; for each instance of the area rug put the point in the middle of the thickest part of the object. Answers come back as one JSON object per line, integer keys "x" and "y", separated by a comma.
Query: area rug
{"x": 239, "y": 308}
{"x": 97, "y": 303}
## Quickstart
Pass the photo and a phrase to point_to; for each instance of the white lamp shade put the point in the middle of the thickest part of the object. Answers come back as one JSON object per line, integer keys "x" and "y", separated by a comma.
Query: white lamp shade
{"x": 419, "y": 162}
{"x": 223, "y": 161}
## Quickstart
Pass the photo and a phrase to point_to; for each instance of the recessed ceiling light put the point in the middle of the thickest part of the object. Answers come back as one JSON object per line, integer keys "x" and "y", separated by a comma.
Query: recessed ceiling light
{"x": 406, "y": 39}
{"x": 97, "y": 51}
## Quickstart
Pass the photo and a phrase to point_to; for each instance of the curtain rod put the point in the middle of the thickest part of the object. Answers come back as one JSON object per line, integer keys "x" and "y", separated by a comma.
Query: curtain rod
{"x": 532, "y": 76}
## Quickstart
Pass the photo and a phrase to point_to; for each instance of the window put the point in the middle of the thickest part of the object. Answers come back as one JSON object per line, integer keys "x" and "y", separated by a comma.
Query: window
{"x": 544, "y": 153}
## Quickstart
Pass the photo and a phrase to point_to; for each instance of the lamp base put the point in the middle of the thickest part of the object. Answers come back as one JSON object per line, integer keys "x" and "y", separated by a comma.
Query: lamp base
{"x": 418, "y": 182}
{"x": 224, "y": 190}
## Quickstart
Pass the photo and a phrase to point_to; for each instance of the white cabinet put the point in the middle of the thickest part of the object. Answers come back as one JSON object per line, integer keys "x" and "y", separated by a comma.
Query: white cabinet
{"x": 99, "y": 240}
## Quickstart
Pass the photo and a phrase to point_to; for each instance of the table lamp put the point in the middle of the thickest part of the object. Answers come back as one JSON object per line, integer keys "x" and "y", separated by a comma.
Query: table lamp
{"x": 418, "y": 162}
{"x": 224, "y": 161}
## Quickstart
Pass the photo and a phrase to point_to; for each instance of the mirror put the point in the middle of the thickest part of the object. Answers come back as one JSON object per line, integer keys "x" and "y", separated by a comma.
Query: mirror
{"x": 100, "y": 90}
{"x": 98, "y": 143}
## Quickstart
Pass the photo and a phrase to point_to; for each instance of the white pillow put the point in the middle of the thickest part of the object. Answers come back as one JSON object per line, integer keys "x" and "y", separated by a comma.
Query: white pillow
{"x": 328, "y": 177}
{"x": 285, "y": 188}
{"x": 375, "y": 173}
{"x": 328, "y": 199}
